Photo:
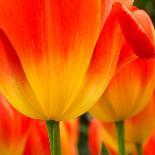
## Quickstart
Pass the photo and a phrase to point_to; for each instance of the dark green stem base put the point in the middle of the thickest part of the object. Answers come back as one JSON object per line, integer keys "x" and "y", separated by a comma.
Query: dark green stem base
{"x": 139, "y": 149}
{"x": 54, "y": 137}
{"x": 120, "y": 134}
{"x": 104, "y": 150}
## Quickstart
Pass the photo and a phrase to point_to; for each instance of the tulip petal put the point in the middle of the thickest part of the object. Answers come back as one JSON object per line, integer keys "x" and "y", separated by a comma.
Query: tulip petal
{"x": 94, "y": 137}
{"x": 54, "y": 41}
{"x": 127, "y": 3}
{"x": 135, "y": 28}
{"x": 101, "y": 68}
{"x": 13, "y": 81}
{"x": 37, "y": 141}
{"x": 126, "y": 56}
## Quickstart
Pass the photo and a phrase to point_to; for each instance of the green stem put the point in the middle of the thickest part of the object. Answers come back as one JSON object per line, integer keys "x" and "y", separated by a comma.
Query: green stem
{"x": 54, "y": 137}
{"x": 139, "y": 148}
{"x": 104, "y": 150}
{"x": 120, "y": 134}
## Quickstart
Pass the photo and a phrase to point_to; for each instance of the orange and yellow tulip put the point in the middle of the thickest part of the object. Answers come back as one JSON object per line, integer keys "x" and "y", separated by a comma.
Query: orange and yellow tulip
{"x": 49, "y": 68}
{"x": 133, "y": 83}
{"x": 128, "y": 92}
{"x": 57, "y": 57}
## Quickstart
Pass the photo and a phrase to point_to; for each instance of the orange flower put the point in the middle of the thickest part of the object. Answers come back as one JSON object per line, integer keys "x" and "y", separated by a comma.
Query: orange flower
{"x": 101, "y": 133}
{"x": 128, "y": 92}
{"x": 47, "y": 61}
{"x": 57, "y": 57}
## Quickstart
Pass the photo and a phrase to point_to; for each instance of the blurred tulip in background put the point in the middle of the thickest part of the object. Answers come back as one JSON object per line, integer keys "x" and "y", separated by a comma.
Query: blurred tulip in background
{"x": 138, "y": 130}
{"x": 20, "y": 135}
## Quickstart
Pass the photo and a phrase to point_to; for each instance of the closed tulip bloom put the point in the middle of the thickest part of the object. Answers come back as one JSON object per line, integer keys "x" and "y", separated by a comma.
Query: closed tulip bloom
{"x": 128, "y": 92}
{"x": 55, "y": 60}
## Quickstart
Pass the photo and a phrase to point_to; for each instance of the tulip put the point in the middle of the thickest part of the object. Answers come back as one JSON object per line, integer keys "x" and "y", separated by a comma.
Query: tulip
{"x": 127, "y": 94}
{"x": 55, "y": 60}
{"x": 57, "y": 57}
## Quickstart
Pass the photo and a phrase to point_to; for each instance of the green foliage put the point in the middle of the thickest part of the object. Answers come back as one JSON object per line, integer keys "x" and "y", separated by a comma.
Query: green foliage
{"x": 148, "y": 5}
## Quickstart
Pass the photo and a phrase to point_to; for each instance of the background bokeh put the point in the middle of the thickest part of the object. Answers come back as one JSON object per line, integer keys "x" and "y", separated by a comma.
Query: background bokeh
{"x": 147, "y": 5}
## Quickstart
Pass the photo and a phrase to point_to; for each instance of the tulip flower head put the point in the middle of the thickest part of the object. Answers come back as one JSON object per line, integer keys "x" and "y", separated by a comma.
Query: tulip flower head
{"x": 58, "y": 55}
{"x": 128, "y": 92}
{"x": 55, "y": 58}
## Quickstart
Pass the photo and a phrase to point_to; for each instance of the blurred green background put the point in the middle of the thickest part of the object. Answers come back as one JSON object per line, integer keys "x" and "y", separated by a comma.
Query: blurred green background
{"x": 149, "y": 7}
